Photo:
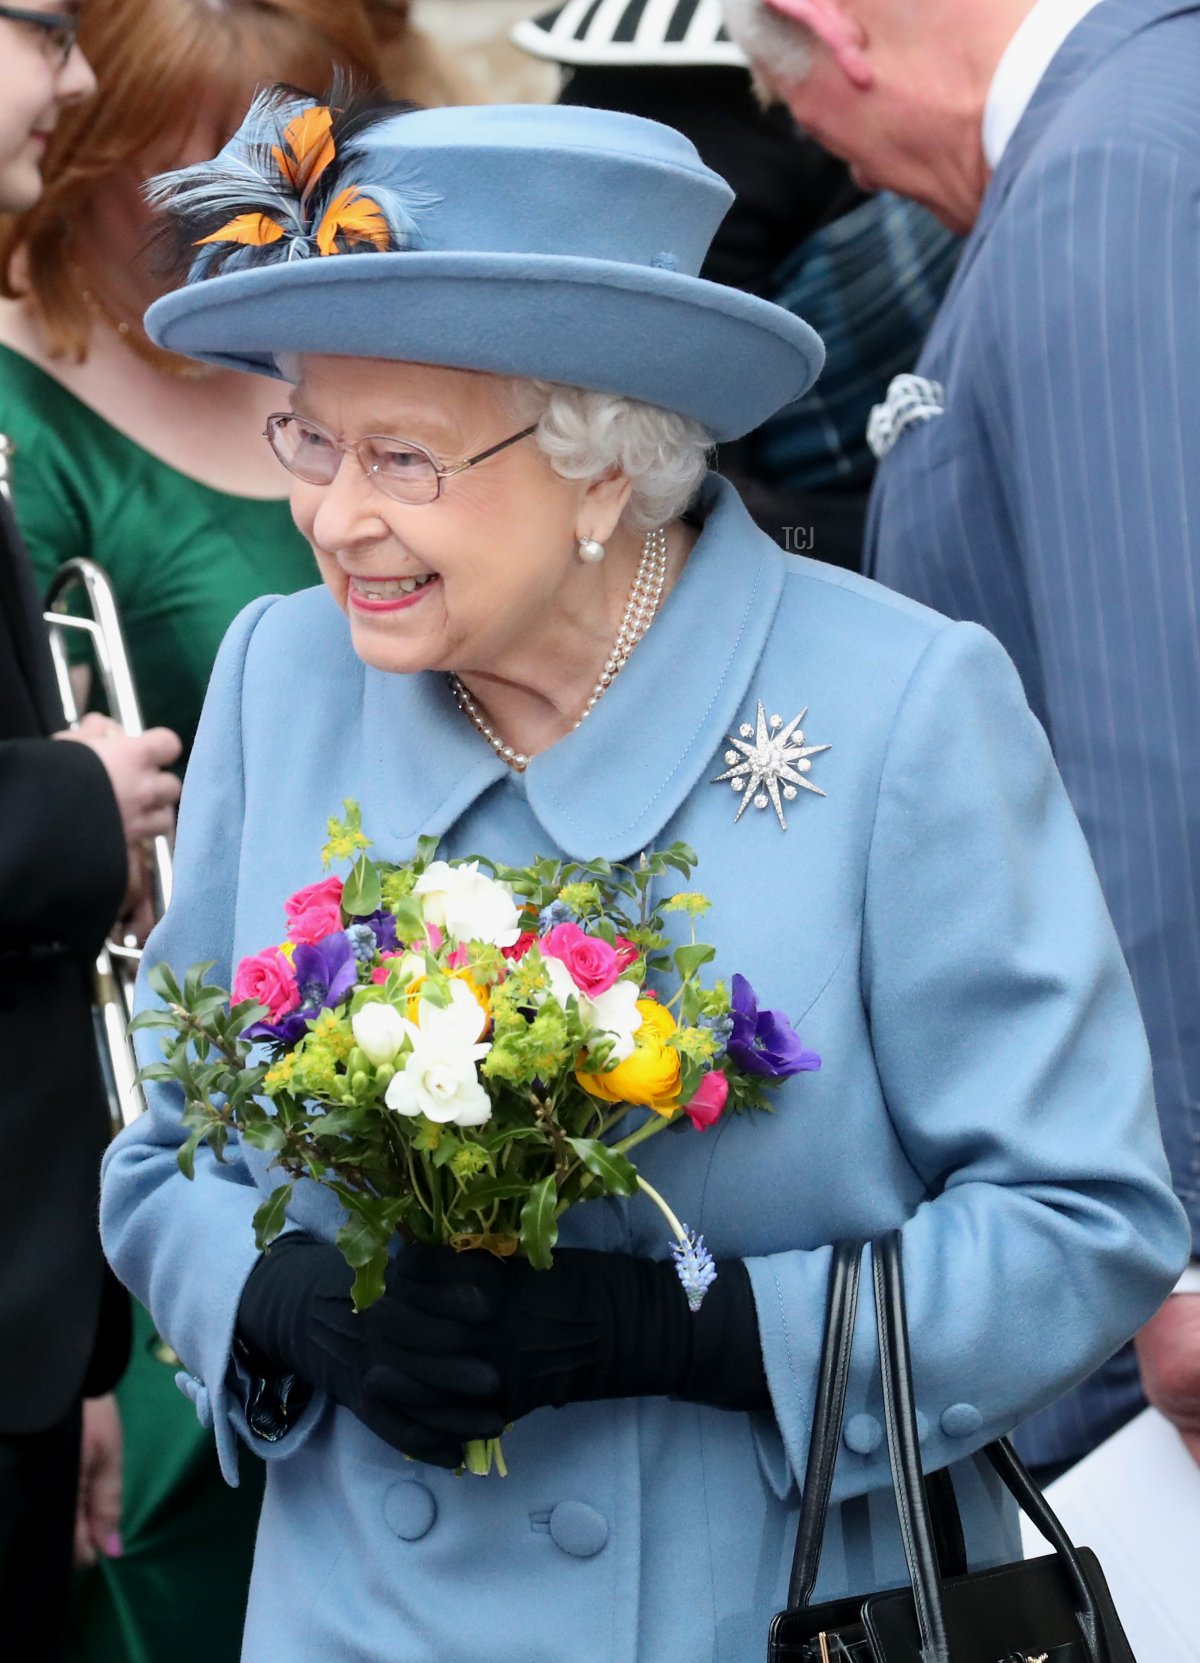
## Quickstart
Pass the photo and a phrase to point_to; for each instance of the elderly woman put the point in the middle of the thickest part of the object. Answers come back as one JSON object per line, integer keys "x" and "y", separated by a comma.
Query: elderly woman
{"x": 540, "y": 623}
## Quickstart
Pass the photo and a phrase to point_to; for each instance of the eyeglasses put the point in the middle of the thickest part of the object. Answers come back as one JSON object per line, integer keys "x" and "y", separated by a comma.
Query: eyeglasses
{"x": 401, "y": 469}
{"x": 59, "y": 30}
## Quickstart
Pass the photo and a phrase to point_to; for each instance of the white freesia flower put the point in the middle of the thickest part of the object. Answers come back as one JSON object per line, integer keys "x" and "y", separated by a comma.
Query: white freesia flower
{"x": 467, "y": 904}
{"x": 614, "y": 1013}
{"x": 440, "y": 1079}
{"x": 379, "y": 1032}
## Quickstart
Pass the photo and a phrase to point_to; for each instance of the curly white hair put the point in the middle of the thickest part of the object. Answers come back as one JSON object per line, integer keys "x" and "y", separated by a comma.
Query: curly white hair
{"x": 590, "y": 435}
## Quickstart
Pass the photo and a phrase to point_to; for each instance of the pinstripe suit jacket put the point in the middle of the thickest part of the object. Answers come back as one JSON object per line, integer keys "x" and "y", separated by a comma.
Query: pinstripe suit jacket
{"x": 1057, "y": 502}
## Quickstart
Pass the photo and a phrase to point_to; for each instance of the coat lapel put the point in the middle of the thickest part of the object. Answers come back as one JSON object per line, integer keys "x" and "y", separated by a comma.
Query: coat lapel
{"x": 609, "y": 788}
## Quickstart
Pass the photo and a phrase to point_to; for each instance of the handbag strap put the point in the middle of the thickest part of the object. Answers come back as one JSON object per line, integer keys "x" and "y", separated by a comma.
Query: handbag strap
{"x": 829, "y": 1411}
{"x": 904, "y": 1452}
{"x": 900, "y": 1421}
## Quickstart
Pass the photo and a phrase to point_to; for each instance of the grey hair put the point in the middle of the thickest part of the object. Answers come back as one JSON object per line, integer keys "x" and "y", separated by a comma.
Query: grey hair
{"x": 779, "y": 50}
{"x": 590, "y": 435}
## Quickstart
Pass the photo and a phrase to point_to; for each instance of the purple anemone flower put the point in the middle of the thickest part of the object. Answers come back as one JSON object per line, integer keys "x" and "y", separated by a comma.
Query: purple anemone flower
{"x": 324, "y": 975}
{"x": 764, "y": 1042}
{"x": 383, "y": 926}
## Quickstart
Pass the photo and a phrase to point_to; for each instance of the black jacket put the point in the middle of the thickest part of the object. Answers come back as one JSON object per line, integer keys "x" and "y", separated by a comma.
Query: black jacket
{"x": 63, "y": 1321}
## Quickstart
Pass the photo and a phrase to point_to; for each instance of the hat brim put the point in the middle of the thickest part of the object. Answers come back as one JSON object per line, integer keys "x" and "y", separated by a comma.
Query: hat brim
{"x": 727, "y": 359}
{"x": 533, "y": 35}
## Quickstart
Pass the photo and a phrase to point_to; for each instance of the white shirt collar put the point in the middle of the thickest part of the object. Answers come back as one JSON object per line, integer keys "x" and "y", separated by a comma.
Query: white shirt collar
{"x": 1019, "y": 72}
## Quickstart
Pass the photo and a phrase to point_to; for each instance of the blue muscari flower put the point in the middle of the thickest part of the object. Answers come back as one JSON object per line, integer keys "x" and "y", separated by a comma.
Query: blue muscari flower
{"x": 694, "y": 1267}
{"x": 721, "y": 1027}
{"x": 556, "y": 913}
{"x": 362, "y": 938}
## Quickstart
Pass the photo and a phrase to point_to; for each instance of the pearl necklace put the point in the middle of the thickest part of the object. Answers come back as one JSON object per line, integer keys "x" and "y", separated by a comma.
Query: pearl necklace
{"x": 645, "y": 598}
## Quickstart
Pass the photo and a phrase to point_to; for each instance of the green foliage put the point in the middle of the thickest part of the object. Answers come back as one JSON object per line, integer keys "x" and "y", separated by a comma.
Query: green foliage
{"x": 345, "y": 836}
{"x": 362, "y": 892}
{"x": 539, "y": 1224}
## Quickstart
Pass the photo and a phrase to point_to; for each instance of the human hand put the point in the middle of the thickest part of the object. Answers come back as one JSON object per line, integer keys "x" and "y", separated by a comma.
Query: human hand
{"x": 1168, "y": 1350}
{"x": 98, "y": 1503}
{"x": 296, "y": 1315}
{"x": 138, "y": 915}
{"x": 136, "y": 765}
{"x": 595, "y": 1325}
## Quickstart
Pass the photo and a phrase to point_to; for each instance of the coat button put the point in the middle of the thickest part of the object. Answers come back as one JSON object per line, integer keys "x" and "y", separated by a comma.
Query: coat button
{"x": 578, "y": 1529}
{"x": 409, "y": 1509}
{"x": 197, "y": 1393}
{"x": 961, "y": 1420}
{"x": 863, "y": 1434}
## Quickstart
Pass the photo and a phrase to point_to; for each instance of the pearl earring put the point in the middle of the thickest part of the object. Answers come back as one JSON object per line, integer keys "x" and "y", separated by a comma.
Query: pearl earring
{"x": 590, "y": 551}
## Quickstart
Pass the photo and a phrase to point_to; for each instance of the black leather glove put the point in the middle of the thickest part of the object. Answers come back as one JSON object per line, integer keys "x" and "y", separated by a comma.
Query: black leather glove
{"x": 596, "y": 1325}
{"x": 462, "y": 1344}
{"x": 296, "y": 1316}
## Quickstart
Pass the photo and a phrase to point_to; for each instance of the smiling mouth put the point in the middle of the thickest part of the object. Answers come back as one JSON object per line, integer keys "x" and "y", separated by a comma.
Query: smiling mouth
{"x": 388, "y": 594}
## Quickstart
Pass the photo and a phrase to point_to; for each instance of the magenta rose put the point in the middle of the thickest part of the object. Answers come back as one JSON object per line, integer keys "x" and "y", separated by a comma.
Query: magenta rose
{"x": 267, "y": 978}
{"x": 627, "y": 954}
{"x": 707, "y": 1106}
{"x": 314, "y": 912}
{"x": 594, "y": 965}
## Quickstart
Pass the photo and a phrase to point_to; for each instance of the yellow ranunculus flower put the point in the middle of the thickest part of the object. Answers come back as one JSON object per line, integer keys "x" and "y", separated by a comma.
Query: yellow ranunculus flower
{"x": 650, "y": 1078}
{"x": 460, "y": 975}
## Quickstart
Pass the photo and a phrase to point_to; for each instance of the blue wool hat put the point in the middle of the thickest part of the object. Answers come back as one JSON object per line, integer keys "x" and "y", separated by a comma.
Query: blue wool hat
{"x": 543, "y": 241}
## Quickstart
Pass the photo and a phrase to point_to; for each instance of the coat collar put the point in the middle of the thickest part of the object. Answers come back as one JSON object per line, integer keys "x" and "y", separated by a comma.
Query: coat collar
{"x": 1093, "y": 39}
{"x": 608, "y": 789}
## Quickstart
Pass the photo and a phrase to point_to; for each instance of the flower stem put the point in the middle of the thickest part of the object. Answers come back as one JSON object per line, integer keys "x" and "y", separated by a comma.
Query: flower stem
{"x": 481, "y": 1455}
{"x": 651, "y": 1129}
{"x": 650, "y": 1191}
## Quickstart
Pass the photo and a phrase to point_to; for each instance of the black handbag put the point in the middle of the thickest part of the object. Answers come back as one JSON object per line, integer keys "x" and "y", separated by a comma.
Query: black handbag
{"x": 1054, "y": 1609}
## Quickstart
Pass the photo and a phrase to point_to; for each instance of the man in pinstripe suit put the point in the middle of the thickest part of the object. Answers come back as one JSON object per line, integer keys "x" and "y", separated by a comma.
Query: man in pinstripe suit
{"x": 1039, "y": 472}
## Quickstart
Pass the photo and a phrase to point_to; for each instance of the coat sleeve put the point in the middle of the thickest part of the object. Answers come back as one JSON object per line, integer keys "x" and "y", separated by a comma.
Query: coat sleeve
{"x": 1014, "y": 1068}
{"x": 157, "y": 1226}
{"x": 1098, "y": 371}
{"x": 63, "y": 863}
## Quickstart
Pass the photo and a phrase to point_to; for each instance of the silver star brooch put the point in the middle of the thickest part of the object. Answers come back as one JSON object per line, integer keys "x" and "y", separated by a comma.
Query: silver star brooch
{"x": 769, "y": 760}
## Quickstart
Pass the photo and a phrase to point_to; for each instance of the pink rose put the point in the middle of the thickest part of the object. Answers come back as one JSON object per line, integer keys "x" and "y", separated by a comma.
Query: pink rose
{"x": 314, "y": 912}
{"x": 380, "y": 973}
{"x": 627, "y": 954}
{"x": 268, "y": 979}
{"x": 592, "y": 963}
{"x": 707, "y": 1105}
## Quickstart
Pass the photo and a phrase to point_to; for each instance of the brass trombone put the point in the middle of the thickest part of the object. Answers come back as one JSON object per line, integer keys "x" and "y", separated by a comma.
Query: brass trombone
{"x": 118, "y": 961}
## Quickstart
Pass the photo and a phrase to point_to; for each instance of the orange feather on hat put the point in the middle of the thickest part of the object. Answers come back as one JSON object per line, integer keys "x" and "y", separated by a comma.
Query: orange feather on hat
{"x": 355, "y": 217}
{"x": 255, "y": 230}
{"x": 310, "y": 148}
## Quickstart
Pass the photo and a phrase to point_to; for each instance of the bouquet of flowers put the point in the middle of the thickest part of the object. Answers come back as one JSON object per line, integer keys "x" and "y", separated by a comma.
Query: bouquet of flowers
{"x": 461, "y": 1051}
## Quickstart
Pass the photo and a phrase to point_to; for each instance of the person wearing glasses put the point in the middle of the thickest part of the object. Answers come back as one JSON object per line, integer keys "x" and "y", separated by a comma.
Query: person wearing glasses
{"x": 73, "y": 817}
{"x": 540, "y": 622}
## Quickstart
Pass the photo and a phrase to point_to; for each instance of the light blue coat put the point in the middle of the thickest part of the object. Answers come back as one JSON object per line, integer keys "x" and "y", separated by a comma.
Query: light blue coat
{"x": 934, "y": 925}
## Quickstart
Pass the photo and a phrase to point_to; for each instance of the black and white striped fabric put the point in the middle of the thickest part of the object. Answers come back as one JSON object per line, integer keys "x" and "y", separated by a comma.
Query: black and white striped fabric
{"x": 630, "y": 32}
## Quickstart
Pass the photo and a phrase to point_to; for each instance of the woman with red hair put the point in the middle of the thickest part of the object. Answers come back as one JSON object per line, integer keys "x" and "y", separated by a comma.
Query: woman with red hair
{"x": 126, "y": 454}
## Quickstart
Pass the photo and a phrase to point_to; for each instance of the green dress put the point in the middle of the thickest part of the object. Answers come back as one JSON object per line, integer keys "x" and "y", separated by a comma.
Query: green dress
{"x": 184, "y": 559}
